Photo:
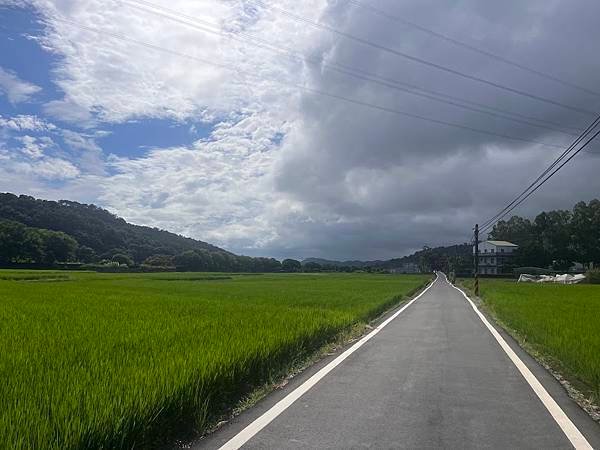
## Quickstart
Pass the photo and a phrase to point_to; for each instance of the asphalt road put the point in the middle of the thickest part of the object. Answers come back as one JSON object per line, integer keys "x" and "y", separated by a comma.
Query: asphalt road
{"x": 434, "y": 377}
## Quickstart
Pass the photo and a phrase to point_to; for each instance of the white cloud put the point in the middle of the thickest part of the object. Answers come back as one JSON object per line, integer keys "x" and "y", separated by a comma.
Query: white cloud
{"x": 216, "y": 190}
{"x": 119, "y": 80}
{"x": 15, "y": 89}
{"x": 25, "y": 122}
{"x": 36, "y": 170}
{"x": 52, "y": 169}
{"x": 36, "y": 160}
{"x": 33, "y": 148}
{"x": 69, "y": 111}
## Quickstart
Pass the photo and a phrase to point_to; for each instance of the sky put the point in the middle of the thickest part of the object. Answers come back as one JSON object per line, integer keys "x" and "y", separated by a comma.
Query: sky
{"x": 284, "y": 128}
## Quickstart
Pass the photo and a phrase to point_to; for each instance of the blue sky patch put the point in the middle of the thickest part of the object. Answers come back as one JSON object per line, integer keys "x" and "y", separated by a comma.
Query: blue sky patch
{"x": 136, "y": 137}
{"x": 23, "y": 57}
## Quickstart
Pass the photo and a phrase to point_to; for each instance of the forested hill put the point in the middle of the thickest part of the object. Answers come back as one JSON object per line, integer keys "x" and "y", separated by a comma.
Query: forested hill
{"x": 97, "y": 229}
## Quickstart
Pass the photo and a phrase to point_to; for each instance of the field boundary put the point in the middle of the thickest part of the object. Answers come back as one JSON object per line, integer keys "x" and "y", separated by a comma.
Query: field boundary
{"x": 560, "y": 417}
{"x": 338, "y": 343}
{"x": 264, "y": 419}
{"x": 574, "y": 387}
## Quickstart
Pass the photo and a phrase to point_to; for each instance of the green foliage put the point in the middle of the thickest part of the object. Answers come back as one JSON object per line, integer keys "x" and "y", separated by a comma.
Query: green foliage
{"x": 191, "y": 260}
{"x": 96, "y": 228}
{"x": 160, "y": 261}
{"x": 138, "y": 360}
{"x": 312, "y": 267}
{"x": 586, "y": 231}
{"x": 86, "y": 254}
{"x": 122, "y": 259}
{"x": 105, "y": 237}
{"x": 291, "y": 265}
{"x": 19, "y": 243}
{"x": 57, "y": 246}
{"x": 560, "y": 321}
{"x": 555, "y": 239}
{"x": 593, "y": 276}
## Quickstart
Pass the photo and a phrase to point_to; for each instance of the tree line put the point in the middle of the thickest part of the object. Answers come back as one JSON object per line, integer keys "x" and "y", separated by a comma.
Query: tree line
{"x": 22, "y": 244}
{"x": 555, "y": 239}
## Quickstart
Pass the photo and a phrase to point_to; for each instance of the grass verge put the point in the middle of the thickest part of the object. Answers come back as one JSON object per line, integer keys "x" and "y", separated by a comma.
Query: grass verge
{"x": 557, "y": 325}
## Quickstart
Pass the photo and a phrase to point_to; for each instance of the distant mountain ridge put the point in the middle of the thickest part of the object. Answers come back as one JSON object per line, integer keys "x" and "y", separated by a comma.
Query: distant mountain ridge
{"x": 329, "y": 262}
{"x": 426, "y": 256}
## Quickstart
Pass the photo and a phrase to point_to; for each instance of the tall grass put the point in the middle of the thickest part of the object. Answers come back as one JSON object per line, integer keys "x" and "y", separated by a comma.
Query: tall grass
{"x": 562, "y": 322}
{"x": 137, "y": 360}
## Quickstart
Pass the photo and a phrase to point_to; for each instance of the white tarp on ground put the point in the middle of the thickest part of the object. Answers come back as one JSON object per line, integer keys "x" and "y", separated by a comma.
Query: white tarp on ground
{"x": 561, "y": 279}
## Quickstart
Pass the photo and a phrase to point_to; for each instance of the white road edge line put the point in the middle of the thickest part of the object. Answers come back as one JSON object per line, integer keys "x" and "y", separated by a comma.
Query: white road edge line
{"x": 251, "y": 430}
{"x": 569, "y": 429}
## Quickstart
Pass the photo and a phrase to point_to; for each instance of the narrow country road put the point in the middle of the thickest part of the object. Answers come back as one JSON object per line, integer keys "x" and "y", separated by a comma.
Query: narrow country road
{"x": 433, "y": 377}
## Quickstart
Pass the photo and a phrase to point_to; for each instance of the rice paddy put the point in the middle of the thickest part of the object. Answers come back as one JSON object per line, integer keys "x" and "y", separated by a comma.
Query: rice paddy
{"x": 560, "y": 322}
{"x": 93, "y": 361}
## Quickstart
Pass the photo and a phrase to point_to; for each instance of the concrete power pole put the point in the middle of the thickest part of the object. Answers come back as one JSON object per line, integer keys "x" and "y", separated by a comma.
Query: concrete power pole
{"x": 476, "y": 286}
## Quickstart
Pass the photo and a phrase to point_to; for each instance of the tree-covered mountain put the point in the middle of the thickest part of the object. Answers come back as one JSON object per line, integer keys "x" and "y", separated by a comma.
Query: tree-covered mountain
{"x": 35, "y": 231}
{"x": 96, "y": 228}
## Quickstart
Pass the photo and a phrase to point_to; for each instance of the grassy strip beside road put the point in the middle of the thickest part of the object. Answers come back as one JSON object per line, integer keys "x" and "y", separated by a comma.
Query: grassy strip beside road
{"x": 559, "y": 322}
{"x": 134, "y": 360}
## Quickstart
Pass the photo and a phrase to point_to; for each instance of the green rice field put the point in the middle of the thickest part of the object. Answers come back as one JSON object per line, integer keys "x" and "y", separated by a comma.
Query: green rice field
{"x": 93, "y": 361}
{"x": 560, "y": 322}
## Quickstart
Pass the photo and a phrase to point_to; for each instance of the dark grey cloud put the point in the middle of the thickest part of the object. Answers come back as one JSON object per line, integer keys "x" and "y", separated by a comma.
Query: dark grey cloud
{"x": 377, "y": 185}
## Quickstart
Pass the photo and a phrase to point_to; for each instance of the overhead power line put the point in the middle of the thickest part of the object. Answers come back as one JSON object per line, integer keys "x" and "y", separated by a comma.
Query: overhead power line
{"x": 545, "y": 180}
{"x": 558, "y": 164}
{"x": 562, "y": 156}
{"x": 382, "y": 13}
{"x": 344, "y": 69}
{"x": 322, "y": 63}
{"x": 419, "y": 60}
{"x": 301, "y": 87}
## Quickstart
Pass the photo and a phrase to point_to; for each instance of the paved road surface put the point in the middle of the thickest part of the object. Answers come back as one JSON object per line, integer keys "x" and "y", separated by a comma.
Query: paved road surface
{"x": 434, "y": 377}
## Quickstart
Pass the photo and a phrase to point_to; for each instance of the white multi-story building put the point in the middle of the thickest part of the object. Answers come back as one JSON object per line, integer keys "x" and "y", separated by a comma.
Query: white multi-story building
{"x": 495, "y": 256}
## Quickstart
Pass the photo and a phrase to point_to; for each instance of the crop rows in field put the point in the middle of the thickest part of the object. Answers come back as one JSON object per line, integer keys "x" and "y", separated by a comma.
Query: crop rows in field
{"x": 124, "y": 360}
{"x": 558, "y": 321}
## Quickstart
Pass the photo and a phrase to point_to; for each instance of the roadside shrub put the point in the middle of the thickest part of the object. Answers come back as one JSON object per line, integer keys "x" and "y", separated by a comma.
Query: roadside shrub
{"x": 593, "y": 276}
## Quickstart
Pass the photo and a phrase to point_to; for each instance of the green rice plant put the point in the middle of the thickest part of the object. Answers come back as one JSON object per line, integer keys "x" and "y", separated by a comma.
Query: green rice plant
{"x": 559, "y": 321}
{"x": 142, "y": 360}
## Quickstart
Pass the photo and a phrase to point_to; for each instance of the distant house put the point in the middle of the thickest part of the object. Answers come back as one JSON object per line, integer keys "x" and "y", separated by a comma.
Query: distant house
{"x": 495, "y": 256}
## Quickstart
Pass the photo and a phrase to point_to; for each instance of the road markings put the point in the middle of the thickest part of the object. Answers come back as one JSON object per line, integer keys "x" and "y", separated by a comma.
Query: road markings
{"x": 559, "y": 416}
{"x": 251, "y": 430}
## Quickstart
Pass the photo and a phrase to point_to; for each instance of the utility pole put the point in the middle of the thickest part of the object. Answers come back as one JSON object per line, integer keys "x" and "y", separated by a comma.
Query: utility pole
{"x": 476, "y": 286}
